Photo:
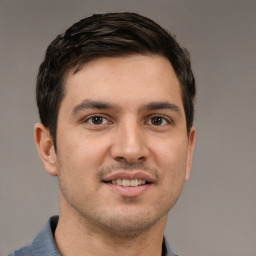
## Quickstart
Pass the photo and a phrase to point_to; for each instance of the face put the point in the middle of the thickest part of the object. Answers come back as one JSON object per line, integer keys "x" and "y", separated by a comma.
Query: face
{"x": 123, "y": 153}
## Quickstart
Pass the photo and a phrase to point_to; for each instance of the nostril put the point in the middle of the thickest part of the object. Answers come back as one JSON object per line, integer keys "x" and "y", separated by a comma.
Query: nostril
{"x": 120, "y": 159}
{"x": 129, "y": 153}
{"x": 130, "y": 160}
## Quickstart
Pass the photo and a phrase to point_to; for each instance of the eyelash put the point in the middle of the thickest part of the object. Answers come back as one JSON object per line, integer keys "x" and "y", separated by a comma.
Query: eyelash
{"x": 87, "y": 120}
{"x": 149, "y": 120}
{"x": 163, "y": 119}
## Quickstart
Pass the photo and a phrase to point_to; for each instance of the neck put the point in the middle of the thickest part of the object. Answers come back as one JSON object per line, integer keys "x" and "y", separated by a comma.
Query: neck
{"x": 75, "y": 236}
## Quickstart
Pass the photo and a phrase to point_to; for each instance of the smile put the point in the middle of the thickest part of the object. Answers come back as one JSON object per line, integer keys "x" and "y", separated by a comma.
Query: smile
{"x": 129, "y": 183}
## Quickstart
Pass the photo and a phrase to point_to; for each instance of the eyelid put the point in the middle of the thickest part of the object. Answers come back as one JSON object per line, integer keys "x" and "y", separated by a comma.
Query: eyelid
{"x": 103, "y": 116}
{"x": 166, "y": 118}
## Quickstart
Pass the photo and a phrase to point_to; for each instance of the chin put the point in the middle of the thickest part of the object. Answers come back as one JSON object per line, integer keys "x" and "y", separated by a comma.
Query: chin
{"x": 129, "y": 224}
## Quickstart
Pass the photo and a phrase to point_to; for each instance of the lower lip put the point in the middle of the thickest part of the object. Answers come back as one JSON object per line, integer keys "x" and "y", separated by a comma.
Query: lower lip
{"x": 129, "y": 191}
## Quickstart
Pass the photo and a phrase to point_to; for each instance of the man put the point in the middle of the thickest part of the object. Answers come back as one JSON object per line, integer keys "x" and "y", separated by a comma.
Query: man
{"x": 115, "y": 96}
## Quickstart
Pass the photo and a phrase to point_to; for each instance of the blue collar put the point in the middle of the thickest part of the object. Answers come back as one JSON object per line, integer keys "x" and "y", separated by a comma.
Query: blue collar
{"x": 44, "y": 244}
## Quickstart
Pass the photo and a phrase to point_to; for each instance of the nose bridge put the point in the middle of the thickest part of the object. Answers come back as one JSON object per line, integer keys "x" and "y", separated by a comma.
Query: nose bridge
{"x": 129, "y": 143}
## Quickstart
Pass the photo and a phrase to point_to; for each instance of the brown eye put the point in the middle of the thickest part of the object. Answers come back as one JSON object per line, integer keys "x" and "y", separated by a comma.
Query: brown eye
{"x": 97, "y": 120}
{"x": 158, "y": 120}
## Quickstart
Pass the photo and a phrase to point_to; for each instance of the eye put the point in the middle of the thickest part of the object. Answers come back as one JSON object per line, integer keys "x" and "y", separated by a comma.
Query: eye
{"x": 158, "y": 121}
{"x": 97, "y": 120}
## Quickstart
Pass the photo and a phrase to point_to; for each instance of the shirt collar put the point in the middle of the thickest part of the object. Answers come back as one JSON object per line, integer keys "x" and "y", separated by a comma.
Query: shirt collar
{"x": 168, "y": 250}
{"x": 44, "y": 243}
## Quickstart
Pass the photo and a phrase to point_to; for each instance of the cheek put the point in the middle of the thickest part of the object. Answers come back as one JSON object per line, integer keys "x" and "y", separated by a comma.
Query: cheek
{"x": 80, "y": 158}
{"x": 81, "y": 147}
{"x": 171, "y": 159}
{"x": 76, "y": 170}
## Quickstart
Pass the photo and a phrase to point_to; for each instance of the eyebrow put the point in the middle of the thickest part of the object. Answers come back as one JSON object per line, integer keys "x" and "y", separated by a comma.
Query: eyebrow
{"x": 91, "y": 104}
{"x": 162, "y": 105}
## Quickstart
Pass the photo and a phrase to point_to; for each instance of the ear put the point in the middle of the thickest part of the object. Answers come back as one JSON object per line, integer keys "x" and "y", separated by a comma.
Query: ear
{"x": 191, "y": 145}
{"x": 45, "y": 147}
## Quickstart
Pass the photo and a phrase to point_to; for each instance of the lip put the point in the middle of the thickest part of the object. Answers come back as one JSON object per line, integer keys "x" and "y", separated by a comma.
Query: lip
{"x": 129, "y": 191}
{"x": 132, "y": 175}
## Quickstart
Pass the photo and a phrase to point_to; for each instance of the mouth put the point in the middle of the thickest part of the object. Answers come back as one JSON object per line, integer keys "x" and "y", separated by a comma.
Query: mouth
{"x": 129, "y": 184}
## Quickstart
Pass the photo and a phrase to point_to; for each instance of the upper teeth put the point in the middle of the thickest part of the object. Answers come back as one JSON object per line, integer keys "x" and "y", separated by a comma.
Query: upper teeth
{"x": 128, "y": 183}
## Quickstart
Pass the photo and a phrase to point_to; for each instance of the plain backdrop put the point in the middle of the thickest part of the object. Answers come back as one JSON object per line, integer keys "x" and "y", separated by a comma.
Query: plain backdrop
{"x": 216, "y": 214}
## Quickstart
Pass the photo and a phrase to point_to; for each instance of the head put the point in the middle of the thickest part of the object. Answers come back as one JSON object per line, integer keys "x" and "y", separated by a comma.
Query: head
{"x": 115, "y": 95}
{"x": 107, "y": 35}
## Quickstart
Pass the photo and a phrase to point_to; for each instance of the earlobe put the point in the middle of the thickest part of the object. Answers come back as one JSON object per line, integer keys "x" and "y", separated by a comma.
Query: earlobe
{"x": 45, "y": 147}
{"x": 191, "y": 146}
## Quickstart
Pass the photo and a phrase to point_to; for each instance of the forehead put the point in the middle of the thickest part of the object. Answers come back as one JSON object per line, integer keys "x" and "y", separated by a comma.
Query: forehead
{"x": 124, "y": 80}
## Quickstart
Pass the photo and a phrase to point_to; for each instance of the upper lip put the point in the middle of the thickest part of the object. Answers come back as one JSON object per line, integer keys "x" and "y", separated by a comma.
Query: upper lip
{"x": 131, "y": 175}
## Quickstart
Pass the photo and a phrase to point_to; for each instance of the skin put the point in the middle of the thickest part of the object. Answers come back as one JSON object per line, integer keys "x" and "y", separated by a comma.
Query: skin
{"x": 119, "y": 116}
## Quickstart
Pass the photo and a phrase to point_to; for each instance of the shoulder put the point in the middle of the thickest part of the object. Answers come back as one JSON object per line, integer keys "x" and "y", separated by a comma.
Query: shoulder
{"x": 24, "y": 251}
{"x": 43, "y": 244}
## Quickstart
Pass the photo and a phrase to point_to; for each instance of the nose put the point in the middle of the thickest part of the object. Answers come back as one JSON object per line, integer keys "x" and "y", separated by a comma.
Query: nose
{"x": 129, "y": 144}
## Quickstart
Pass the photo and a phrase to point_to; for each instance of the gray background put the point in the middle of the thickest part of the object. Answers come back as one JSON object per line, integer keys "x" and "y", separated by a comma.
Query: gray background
{"x": 216, "y": 214}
